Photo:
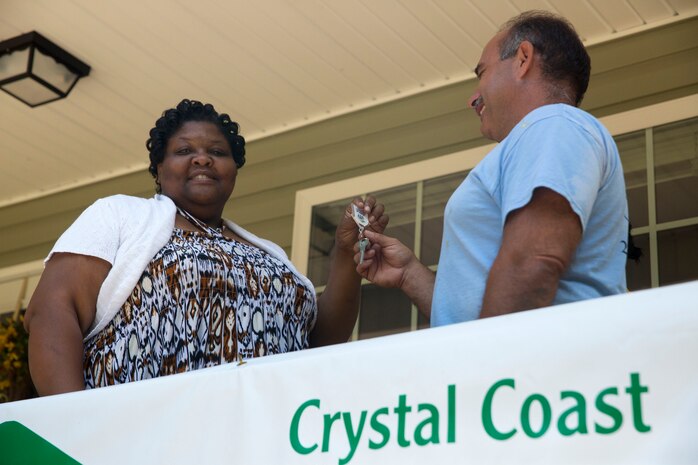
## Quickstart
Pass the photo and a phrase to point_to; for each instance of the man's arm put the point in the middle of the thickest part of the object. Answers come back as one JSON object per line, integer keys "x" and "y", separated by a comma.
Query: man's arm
{"x": 538, "y": 245}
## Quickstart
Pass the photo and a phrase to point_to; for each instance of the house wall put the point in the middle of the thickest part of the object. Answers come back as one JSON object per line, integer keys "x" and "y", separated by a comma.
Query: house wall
{"x": 630, "y": 72}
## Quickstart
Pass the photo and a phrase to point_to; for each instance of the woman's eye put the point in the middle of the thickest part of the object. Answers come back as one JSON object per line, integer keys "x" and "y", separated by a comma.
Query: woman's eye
{"x": 218, "y": 153}
{"x": 183, "y": 151}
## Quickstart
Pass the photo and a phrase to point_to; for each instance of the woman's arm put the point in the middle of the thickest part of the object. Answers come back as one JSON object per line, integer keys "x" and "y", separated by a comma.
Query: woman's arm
{"x": 61, "y": 310}
{"x": 338, "y": 306}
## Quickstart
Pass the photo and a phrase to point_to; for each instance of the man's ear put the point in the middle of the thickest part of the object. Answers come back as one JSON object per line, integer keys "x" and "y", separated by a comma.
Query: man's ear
{"x": 524, "y": 58}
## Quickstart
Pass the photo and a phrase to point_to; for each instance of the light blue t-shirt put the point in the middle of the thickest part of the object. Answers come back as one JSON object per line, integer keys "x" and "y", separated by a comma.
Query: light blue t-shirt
{"x": 556, "y": 146}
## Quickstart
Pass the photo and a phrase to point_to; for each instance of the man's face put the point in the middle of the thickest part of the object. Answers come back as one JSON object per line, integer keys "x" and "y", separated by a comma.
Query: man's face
{"x": 494, "y": 98}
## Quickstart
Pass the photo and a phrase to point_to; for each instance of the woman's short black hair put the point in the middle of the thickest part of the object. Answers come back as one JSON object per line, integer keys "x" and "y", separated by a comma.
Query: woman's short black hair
{"x": 192, "y": 110}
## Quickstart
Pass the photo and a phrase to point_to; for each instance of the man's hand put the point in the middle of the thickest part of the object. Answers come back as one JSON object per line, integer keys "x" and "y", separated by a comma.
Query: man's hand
{"x": 385, "y": 261}
{"x": 390, "y": 263}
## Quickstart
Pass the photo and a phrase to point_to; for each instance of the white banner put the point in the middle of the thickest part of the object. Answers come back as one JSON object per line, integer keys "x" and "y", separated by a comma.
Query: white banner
{"x": 611, "y": 380}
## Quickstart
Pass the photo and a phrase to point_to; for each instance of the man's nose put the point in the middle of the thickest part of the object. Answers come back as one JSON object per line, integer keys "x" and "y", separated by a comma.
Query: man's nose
{"x": 475, "y": 100}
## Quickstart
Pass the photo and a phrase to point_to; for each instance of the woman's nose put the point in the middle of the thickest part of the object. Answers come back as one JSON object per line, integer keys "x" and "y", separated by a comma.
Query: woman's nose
{"x": 202, "y": 158}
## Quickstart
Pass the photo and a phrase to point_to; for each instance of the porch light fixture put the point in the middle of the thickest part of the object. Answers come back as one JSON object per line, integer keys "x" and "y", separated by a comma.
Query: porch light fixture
{"x": 36, "y": 71}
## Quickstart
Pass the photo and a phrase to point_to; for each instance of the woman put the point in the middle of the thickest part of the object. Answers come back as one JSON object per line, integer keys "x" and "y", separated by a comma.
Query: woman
{"x": 139, "y": 288}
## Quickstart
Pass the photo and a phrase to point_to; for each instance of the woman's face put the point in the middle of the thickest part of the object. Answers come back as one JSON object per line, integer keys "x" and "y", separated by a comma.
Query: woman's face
{"x": 198, "y": 171}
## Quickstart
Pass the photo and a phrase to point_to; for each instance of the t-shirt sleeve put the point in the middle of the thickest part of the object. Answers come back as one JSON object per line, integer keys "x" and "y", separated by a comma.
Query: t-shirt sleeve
{"x": 558, "y": 154}
{"x": 95, "y": 233}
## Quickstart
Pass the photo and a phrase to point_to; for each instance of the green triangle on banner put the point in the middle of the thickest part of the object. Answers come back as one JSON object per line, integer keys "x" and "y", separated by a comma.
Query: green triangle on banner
{"x": 21, "y": 446}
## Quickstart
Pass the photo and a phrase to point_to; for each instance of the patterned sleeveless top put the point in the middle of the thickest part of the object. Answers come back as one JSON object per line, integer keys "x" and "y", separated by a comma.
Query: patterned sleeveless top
{"x": 203, "y": 300}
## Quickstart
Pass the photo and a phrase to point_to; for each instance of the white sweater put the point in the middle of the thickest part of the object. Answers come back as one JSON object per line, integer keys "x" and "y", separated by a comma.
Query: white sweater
{"x": 127, "y": 232}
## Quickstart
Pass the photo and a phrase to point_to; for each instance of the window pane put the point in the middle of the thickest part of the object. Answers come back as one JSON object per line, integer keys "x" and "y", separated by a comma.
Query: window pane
{"x": 637, "y": 272}
{"x": 400, "y": 204}
{"x": 437, "y": 191}
{"x": 676, "y": 170}
{"x": 678, "y": 255}
{"x": 422, "y": 321}
{"x": 634, "y": 159}
{"x": 383, "y": 312}
{"x": 325, "y": 219}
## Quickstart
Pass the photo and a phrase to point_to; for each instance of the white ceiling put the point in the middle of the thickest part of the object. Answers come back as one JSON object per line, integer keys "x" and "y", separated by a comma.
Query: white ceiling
{"x": 273, "y": 65}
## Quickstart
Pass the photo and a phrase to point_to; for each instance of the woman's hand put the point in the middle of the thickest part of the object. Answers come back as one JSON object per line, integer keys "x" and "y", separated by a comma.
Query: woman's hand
{"x": 347, "y": 233}
{"x": 338, "y": 306}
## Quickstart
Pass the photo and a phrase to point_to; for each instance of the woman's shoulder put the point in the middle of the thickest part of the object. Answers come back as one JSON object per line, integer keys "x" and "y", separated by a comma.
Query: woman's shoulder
{"x": 130, "y": 211}
{"x": 132, "y": 204}
{"x": 257, "y": 241}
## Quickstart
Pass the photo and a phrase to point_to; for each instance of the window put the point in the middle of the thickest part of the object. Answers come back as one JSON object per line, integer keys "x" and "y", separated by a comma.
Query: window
{"x": 416, "y": 218}
{"x": 661, "y": 176}
{"x": 675, "y": 160}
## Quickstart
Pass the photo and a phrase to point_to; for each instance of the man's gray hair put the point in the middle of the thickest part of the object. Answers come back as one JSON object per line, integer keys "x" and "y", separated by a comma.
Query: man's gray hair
{"x": 565, "y": 61}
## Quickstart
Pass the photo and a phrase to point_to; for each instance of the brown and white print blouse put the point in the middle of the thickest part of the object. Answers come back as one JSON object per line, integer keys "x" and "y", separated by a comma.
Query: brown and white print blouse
{"x": 203, "y": 300}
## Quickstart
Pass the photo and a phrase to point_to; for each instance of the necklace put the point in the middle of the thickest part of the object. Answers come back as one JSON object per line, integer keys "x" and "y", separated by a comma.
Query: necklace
{"x": 201, "y": 225}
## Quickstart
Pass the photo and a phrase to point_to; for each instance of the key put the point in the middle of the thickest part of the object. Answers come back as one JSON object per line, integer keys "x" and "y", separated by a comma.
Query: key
{"x": 363, "y": 245}
{"x": 359, "y": 218}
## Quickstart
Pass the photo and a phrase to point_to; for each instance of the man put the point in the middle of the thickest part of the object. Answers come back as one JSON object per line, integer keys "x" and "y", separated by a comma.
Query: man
{"x": 542, "y": 219}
